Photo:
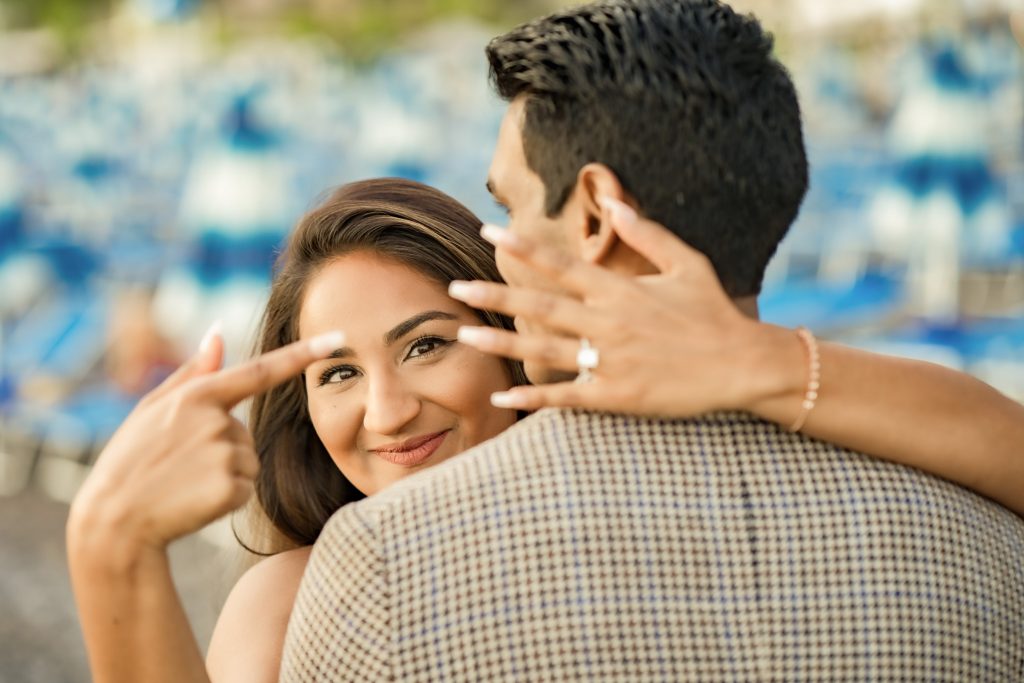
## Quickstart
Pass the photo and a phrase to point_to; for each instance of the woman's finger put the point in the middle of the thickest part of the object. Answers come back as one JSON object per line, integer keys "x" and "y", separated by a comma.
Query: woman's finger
{"x": 206, "y": 359}
{"x": 246, "y": 464}
{"x": 560, "y": 267}
{"x": 245, "y": 487}
{"x": 561, "y": 394}
{"x": 547, "y": 308}
{"x": 240, "y": 434}
{"x": 651, "y": 240}
{"x": 237, "y": 383}
{"x": 550, "y": 351}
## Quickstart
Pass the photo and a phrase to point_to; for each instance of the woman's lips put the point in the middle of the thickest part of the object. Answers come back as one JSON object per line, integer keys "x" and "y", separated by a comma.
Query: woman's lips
{"x": 414, "y": 451}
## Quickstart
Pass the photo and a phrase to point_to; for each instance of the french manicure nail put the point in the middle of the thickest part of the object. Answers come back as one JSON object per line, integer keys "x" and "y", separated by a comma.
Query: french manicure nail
{"x": 210, "y": 335}
{"x": 475, "y": 335}
{"x": 497, "y": 235}
{"x": 621, "y": 212}
{"x": 463, "y": 291}
{"x": 505, "y": 399}
{"x": 323, "y": 344}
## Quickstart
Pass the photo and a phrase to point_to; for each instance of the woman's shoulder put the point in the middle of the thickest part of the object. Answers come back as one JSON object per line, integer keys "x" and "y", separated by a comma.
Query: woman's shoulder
{"x": 275, "y": 578}
{"x": 249, "y": 637}
{"x": 283, "y": 566}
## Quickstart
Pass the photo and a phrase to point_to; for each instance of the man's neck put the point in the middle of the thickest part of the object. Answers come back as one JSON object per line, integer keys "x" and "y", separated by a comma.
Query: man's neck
{"x": 747, "y": 306}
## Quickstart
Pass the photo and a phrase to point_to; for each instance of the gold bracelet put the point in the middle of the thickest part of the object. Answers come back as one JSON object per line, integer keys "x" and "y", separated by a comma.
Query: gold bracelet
{"x": 813, "y": 377}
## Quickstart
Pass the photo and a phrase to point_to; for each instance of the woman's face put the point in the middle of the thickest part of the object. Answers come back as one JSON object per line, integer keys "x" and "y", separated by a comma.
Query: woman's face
{"x": 403, "y": 394}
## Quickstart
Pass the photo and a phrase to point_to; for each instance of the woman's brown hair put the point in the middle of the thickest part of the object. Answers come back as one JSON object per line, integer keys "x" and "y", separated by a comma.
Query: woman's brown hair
{"x": 299, "y": 487}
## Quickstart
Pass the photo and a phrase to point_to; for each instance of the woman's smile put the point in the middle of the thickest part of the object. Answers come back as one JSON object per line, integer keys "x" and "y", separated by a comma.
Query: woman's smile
{"x": 414, "y": 451}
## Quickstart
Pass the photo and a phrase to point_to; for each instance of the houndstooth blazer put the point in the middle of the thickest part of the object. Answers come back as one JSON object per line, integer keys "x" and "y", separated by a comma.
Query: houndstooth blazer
{"x": 586, "y": 546}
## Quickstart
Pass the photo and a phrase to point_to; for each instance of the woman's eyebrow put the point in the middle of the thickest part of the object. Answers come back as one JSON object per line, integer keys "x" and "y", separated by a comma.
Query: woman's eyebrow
{"x": 343, "y": 352}
{"x": 405, "y": 327}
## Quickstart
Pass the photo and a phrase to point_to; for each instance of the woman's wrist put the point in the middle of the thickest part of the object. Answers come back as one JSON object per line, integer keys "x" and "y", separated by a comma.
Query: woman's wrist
{"x": 776, "y": 374}
{"x": 100, "y": 538}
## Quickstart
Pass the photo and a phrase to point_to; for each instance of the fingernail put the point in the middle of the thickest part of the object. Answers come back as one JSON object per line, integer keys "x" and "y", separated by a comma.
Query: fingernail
{"x": 497, "y": 235}
{"x": 621, "y": 213}
{"x": 506, "y": 399}
{"x": 464, "y": 291}
{"x": 210, "y": 335}
{"x": 475, "y": 335}
{"x": 323, "y": 344}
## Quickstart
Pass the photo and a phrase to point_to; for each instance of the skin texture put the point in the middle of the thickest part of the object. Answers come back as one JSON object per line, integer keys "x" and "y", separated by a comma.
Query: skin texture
{"x": 248, "y": 640}
{"x": 423, "y": 382}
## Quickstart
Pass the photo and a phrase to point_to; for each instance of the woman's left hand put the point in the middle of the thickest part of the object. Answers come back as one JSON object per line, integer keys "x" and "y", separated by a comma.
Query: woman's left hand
{"x": 672, "y": 344}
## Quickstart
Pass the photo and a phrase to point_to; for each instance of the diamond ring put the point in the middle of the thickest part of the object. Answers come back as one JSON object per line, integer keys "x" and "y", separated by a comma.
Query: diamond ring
{"x": 587, "y": 359}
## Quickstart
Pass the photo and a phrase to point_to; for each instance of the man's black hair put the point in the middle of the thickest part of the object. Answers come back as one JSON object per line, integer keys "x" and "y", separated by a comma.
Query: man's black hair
{"x": 684, "y": 101}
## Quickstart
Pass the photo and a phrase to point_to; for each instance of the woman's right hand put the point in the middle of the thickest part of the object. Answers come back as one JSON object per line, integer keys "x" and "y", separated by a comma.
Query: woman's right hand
{"x": 181, "y": 460}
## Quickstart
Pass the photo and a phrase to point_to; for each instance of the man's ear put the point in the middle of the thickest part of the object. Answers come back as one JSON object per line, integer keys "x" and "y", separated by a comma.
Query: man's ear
{"x": 596, "y": 237}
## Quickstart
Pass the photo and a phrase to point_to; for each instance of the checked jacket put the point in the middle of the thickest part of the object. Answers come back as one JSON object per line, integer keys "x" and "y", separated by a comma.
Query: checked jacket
{"x": 581, "y": 546}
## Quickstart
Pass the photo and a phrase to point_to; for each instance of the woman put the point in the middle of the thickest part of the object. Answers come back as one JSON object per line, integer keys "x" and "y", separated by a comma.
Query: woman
{"x": 400, "y": 393}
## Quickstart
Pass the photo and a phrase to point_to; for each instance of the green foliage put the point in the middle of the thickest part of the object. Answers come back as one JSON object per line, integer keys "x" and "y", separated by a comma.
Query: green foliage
{"x": 66, "y": 18}
{"x": 362, "y": 28}
{"x": 60, "y": 14}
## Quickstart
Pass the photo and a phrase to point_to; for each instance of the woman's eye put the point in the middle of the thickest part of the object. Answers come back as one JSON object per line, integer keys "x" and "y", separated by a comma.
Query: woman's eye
{"x": 336, "y": 375}
{"x": 426, "y": 345}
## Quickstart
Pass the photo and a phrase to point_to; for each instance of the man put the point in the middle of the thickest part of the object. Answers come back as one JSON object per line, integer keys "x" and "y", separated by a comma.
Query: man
{"x": 591, "y": 545}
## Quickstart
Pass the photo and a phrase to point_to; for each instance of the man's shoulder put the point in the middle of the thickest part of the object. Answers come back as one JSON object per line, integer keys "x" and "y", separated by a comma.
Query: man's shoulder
{"x": 565, "y": 449}
{"x": 660, "y": 523}
{"x": 530, "y": 448}
{"x": 529, "y": 442}
{"x": 593, "y": 457}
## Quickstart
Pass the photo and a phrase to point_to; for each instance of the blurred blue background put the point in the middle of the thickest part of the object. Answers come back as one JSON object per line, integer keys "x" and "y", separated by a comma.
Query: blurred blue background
{"x": 154, "y": 153}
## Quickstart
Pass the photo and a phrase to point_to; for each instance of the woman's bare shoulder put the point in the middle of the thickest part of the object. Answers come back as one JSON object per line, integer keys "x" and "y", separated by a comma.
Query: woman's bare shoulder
{"x": 249, "y": 637}
{"x": 283, "y": 566}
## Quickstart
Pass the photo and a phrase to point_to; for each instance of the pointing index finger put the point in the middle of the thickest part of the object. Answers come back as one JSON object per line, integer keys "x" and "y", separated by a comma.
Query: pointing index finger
{"x": 233, "y": 385}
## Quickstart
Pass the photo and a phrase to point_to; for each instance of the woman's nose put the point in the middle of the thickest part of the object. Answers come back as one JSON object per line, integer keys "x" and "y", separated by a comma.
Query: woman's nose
{"x": 390, "y": 406}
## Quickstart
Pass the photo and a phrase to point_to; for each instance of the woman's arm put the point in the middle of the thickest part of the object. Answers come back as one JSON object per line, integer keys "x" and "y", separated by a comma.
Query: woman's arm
{"x": 910, "y": 412}
{"x": 674, "y": 344}
{"x": 178, "y": 462}
{"x": 134, "y": 625}
{"x": 248, "y": 640}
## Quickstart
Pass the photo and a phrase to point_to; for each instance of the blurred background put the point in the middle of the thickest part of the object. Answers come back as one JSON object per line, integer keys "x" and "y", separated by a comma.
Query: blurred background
{"x": 154, "y": 153}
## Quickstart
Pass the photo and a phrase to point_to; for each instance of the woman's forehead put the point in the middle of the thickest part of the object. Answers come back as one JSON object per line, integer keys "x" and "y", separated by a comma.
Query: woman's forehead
{"x": 366, "y": 292}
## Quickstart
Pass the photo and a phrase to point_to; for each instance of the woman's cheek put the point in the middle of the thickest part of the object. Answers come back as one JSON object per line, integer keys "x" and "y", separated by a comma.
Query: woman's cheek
{"x": 329, "y": 423}
{"x": 458, "y": 385}
{"x": 469, "y": 386}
